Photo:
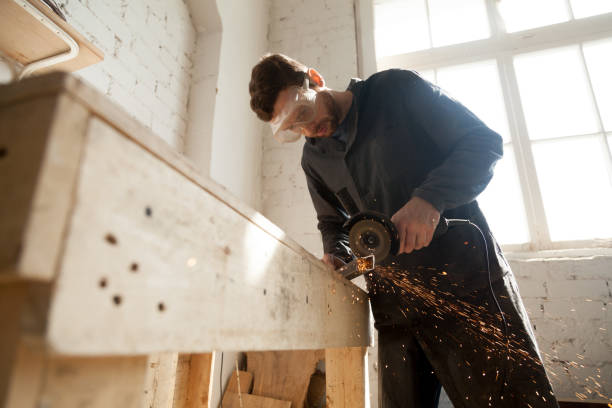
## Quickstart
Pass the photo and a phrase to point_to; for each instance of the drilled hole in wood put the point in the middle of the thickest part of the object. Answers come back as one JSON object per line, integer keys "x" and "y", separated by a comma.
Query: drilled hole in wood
{"x": 103, "y": 282}
{"x": 134, "y": 267}
{"x": 148, "y": 211}
{"x": 110, "y": 238}
{"x": 117, "y": 300}
{"x": 161, "y": 307}
{"x": 227, "y": 250}
{"x": 307, "y": 299}
{"x": 3, "y": 152}
{"x": 265, "y": 291}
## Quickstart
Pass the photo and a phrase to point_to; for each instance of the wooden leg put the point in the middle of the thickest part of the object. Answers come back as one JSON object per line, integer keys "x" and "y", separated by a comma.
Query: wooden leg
{"x": 94, "y": 382}
{"x": 345, "y": 373}
{"x": 12, "y": 297}
{"x": 27, "y": 376}
{"x": 160, "y": 380}
{"x": 193, "y": 380}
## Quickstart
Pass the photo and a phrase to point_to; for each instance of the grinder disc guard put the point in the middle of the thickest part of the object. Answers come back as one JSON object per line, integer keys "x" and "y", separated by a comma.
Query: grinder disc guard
{"x": 370, "y": 237}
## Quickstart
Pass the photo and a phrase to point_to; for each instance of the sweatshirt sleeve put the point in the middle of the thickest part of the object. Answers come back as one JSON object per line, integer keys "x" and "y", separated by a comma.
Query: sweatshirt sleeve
{"x": 330, "y": 218}
{"x": 470, "y": 149}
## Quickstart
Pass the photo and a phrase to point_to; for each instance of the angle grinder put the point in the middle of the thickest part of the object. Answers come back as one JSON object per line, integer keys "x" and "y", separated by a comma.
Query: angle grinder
{"x": 372, "y": 233}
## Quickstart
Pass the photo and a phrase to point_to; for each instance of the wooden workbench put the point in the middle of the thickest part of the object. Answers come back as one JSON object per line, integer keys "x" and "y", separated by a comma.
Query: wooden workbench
{"x": 114, "y": 251}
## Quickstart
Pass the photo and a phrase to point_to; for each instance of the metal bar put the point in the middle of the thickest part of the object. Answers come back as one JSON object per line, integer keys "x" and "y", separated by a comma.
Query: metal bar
{"x": 55, "y": 59}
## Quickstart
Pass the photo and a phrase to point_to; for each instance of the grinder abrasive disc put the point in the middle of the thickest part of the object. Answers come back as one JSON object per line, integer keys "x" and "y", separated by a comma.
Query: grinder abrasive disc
{"x": 370, "y": 237}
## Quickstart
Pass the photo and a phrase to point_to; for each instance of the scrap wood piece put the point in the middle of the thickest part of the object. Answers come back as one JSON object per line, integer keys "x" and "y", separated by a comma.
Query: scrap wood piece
{"x": 246, "y": 381}
{"x": 192, "y": 380}
{"x": 232, "y": 400}
{"x": 345, "y": 372}
{"x": 283, "y": 374}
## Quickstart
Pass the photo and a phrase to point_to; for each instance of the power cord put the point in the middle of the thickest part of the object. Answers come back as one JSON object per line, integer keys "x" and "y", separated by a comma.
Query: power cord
{"x": 454, "y": 222}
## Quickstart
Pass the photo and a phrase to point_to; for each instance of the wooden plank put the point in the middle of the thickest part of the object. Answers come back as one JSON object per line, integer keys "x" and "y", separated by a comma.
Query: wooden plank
{"x": 41, "y": 142}
{"x": 182, "y": 380}
{"x": 160, "y": 380}
{"x": 25, "y": 39}
{"x": 109, "y": 112}
{"x": 94, "y": 382}
{"x": 12, "y": 297}
{"x": 20, "y": 162}
{"x": 193, "y": 381}
{"x": 232, "y": 400}
{"x": 246, "y": 382}
{"x": 283, "y": 375}
{"x": 164, "y": 265}
{"x": 346, "y": 372}
{"x": 27, "y": 377}
{"x": 291, "y": 281}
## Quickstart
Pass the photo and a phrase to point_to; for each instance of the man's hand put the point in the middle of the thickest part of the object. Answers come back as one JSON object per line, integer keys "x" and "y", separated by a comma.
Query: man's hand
{"x": 416, "y": 222}
{"x": 332, "y": 261}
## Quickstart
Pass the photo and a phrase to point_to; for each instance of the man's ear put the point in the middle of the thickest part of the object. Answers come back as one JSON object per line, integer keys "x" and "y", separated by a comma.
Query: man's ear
{"x": 316, "y": 78}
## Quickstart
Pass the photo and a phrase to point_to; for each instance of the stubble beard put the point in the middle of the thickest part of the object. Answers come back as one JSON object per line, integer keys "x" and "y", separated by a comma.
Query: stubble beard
{"x": 332, "y": 119}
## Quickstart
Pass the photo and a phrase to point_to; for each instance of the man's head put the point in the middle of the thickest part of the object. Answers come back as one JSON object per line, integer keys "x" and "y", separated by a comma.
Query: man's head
{"x": 293, "y": 98}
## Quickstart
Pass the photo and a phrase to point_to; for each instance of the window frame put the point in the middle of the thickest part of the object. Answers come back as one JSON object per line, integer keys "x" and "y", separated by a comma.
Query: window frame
{"x": 502, "y": 47}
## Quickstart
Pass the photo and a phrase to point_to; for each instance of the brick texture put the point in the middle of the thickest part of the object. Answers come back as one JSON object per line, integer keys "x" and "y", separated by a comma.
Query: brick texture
{"x": 148, "y": 48}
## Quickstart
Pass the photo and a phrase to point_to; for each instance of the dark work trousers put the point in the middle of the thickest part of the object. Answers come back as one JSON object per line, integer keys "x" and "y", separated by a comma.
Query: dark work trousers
{"x": 439, "y": 324}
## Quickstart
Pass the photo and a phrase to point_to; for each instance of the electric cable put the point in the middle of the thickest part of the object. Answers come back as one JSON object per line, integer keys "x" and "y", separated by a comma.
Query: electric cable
{"x": 455, "y": 222}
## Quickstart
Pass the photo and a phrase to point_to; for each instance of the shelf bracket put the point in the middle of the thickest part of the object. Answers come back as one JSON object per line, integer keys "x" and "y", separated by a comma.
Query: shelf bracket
{"x": 55, "y": 59}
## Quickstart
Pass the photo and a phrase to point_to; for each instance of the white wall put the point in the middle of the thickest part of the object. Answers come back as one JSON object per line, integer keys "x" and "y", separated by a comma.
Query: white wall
{"x": 236, "y": 132}
{"x": 148, "y": 47}
{"x": 567, "y": 300}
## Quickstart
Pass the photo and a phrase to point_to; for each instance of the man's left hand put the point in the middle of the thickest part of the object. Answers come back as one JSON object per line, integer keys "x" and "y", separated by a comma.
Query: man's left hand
{"x": 416, "y": 222}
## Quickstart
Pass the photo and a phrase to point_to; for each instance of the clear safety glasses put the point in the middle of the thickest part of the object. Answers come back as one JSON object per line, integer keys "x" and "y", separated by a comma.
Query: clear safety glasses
{"x": 298, "y": 112}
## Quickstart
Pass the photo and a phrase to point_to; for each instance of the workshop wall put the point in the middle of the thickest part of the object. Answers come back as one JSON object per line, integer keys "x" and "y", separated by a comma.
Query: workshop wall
{"x": 148, "y": 49}
{"x": 567, "y": 301}
{"x": 237, "y": 133}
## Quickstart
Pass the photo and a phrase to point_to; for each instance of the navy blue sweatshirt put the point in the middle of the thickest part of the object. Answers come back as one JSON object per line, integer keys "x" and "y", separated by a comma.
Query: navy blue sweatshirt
{"x": 403, "y": 137}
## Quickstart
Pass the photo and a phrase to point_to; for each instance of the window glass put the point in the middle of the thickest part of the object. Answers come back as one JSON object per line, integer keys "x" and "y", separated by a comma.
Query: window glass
{"x": 454, "y": 22}
{"x": 586, "y": 8}
{"x": 575, "y": 185}
{"x": 555, "y": 94}
{"x": 525, "y": 14}
{"x": 502, "y": 202}
{"x": 598, "y": 56}
{"x": 400, "y": 26}
{"x": 477, "y": 86}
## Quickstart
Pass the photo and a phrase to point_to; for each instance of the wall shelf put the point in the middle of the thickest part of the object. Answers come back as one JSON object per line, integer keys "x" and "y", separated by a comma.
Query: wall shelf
{"x": 26, "y": 39}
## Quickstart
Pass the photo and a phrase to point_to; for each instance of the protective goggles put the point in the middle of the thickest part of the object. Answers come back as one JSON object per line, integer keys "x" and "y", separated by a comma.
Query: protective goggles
{"x": 298, "y": 113}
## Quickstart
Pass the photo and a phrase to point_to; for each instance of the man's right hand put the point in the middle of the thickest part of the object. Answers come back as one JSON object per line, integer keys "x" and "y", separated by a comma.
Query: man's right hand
{"x": 332, "y": 261}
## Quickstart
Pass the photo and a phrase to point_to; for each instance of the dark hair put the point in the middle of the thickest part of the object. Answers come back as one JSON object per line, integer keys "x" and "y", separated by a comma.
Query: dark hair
{"x": 272, "y": 74}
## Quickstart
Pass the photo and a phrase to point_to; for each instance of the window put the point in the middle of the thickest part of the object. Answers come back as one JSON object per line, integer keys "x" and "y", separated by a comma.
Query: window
{"x": 538, "y": 73}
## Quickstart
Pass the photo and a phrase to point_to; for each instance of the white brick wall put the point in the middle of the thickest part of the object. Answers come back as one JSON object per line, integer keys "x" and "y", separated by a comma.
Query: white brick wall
{"x": 148, "y": 47}
{"x": 567, "y": 301}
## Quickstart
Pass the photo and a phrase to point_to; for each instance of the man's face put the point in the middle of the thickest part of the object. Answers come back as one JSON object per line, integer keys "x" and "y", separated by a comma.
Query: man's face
{"x": 325, "y": 120}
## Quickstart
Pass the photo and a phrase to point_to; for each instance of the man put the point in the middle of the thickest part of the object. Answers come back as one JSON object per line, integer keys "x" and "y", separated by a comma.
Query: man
{"x": 447, "y": 310}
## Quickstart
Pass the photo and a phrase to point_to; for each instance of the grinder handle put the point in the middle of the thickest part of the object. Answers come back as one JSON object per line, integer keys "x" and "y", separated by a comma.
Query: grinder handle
{"x": 441, "y": 229}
